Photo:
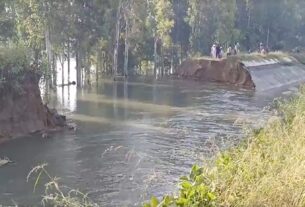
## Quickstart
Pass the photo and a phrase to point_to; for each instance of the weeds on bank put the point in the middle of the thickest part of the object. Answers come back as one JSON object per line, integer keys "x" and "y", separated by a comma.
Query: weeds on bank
{"x": 268, "y": 169}
{"x": 57, "y": 195}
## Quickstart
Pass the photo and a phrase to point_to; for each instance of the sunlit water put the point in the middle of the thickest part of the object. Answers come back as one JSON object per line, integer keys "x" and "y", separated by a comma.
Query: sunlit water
{"x": 133, "y": 140}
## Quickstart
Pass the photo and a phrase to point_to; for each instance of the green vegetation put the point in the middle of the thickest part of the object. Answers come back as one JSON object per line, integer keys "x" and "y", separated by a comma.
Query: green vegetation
{"x": 14, "y": 59}
{"x": 265, "y": 170}
{"x": 57, "y": 195}
{"x": 143, "y": 37}
{"x": 15, "y": 64}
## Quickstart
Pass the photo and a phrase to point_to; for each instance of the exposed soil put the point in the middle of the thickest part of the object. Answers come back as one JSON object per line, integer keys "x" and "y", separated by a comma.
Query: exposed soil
{"x": 23, "y": 112}
{"x": 228, "y": 71}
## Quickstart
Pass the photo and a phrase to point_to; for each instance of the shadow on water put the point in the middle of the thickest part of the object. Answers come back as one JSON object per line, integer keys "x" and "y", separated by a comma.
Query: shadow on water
{"x": 133, "y": 139}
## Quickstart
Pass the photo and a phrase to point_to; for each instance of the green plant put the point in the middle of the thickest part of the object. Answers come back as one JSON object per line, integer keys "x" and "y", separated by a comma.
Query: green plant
{"x": 15, "y": 64}
{"x": 57, "y": 195}
{"x": 195, "y": 190}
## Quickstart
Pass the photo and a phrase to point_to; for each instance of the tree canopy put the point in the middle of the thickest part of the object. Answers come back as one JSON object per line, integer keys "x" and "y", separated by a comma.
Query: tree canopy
{"x": 136, "y": 33}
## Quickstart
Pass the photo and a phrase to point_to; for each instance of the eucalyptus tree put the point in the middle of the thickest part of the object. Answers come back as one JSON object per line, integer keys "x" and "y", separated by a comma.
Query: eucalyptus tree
{"x": 31, "y": 24}
{"x": 165, "y": 23}
{"x": 160, "y": 23}
{"x": 121, "y": 36}
{"x": 181, "y": 31}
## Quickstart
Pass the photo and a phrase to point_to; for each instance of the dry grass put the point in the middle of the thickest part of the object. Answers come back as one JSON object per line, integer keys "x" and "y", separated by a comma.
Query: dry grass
{"x": 56, "y": 194}
{"x": 266, "y": 170}
{"x": 269, "y": 169}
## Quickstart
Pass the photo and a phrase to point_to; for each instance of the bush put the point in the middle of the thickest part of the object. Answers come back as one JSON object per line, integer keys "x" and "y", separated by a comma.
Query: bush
{"x": 14, "y": 60}
{"x": 15, "y": 63}
{"x": 195, "y": 190}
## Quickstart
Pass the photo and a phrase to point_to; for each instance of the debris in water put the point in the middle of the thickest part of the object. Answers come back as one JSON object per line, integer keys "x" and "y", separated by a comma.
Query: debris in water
{"x": 72, "y": 126}
{"x": 4, "y": 161}
{"x": 45, "y": 135}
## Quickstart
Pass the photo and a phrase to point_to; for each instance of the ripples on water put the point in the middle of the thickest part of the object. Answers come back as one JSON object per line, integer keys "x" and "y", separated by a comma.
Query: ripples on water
{"x": 133, "y": 140}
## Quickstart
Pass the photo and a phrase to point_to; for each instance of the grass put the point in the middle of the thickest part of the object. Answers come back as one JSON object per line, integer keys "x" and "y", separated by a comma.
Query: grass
{"x": 268, "y": 169}
{"x": 56, "y": 194}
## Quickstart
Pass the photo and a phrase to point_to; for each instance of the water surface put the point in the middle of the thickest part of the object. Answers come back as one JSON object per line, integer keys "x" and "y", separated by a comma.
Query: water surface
{"x": 133, "y": 140}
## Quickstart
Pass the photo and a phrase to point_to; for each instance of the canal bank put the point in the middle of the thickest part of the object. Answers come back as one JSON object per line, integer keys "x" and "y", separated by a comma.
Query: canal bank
{"x": 132, "y": 140}
{"x": 251, "y": 71}
{"x": 21, "y": 108}
{"x": 266, "y": 169}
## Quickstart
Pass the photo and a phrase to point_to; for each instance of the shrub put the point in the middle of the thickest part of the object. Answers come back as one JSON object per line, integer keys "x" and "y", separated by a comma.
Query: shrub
{"x": 15, "y": 63}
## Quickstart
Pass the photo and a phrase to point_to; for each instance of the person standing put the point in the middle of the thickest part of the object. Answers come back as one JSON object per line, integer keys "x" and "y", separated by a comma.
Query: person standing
{"x": 261, "y": 48}
{"x": 229, "y": 51}
{"x": 221, "y": 52}
{"x": 218, "y": 51}
{"x": 237, "y": 48}
{"x": 213, "y": 51}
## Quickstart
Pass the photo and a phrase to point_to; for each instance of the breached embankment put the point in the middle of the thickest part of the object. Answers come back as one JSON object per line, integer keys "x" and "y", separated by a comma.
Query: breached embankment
{"x": 256, "y": 71}
{"x": 22, "y": 110}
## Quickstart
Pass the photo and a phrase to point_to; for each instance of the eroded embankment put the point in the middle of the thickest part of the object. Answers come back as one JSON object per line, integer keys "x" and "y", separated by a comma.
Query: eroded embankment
{"x": 22, "y": 110}
{"x": 248, "y": 71}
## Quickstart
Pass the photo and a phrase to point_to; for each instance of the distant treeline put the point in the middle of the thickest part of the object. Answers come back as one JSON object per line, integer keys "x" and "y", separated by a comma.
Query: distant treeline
{"x": 146, "y": 36}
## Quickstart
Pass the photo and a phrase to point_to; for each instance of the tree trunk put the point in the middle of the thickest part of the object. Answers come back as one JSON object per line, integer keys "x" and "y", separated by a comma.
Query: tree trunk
{"x": 155, "y": 57}
{"x": 36, "y": 55}
{"x": 62, "y": 62}
{"x": 69, "y": 63}
{"x": 78, "y": 68}
{"x": 97, "y": 69}
{"x": 249, "y": 17}
{"x": 115, "y": 99}
{"x": 126, "y": 53}
{"x": 172, "y": 62}
{"x": 54, "y": 68}
{"x": 117, "y": 39}
{"x": 162, "y": 61}
{"x": 162, "y": 66}
{"x": 49, "y": 55}
{"x": 268, "y": 36}
{"x": 125, "y": 99}
{"x": 88, "y": 70}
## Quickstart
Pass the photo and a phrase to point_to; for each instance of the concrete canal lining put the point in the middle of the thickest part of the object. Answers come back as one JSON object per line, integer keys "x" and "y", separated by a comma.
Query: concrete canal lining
{"x": 260, "y": 72}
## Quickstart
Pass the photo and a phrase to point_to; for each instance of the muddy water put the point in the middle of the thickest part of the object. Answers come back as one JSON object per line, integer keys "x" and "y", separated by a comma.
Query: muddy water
{"x": 132, "y": 140}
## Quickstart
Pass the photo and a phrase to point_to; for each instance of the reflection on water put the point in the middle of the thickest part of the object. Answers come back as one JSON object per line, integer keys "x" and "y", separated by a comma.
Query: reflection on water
{"x": 67, "y": 98}
{"x": 133, "y": 139}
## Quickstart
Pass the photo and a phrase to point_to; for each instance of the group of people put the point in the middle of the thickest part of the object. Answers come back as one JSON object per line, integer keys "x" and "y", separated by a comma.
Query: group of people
{"x": 218, "y": 53}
